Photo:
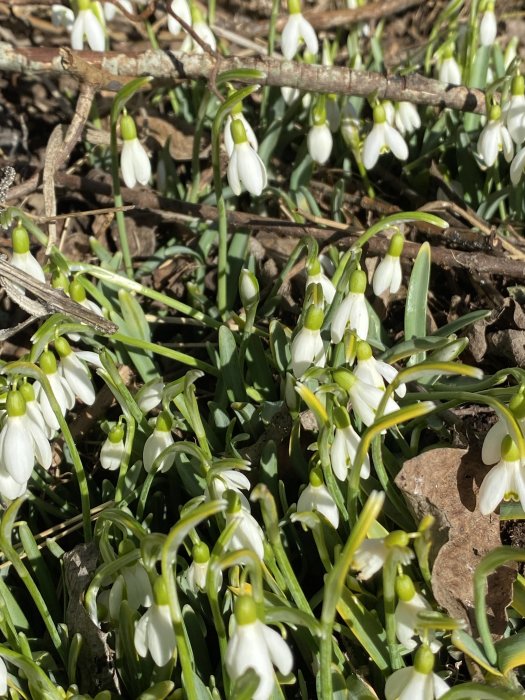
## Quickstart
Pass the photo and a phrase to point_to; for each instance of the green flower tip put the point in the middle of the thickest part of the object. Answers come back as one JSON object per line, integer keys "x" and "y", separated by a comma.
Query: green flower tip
{"x": 160, "y": 592}
{"x": 316, "y": 477}
{"x": 236, "y": 110}
{"x": 128, "y": 130}
{"x": 314, "y": 268}
{"x": 116, "y": 434}
{"x": 125, "y": 547}
{"x": 200, "y": 553}
{"x": 517, "y": 86}
{"x": 245, "y": 610}
{"x": 164, "y": 422}
{"x": 196, "y": 14}
{"x": 358, "y": 282}
{"x": 48, "y": 362}
{"x": 62, "y": 347}
{"x": 424, "y": 661}
{"x": 314, "y": 318}
{"x": 364, "y": 351}
{"x": 60, "y": 281}
{"x": 294, "y": 7}
{"x": 233, "y": 500}
{"x": 397, "y": 538}
{"x": 396, "y": 246}
{"x": 84, "y": 5}
{"x": 405, "y": 588}
{"x": 517, "y": 405}
{"x": 238, "y": 131}
{"x": 344, "y": 378}
{"x": 495, "y": 113}
{"x": 20, "y": 239}
{"x": 77, "y": 291}
{"x": 449, "y": 50}
{"x": 27, "y": 391}
{"x": 509, "y": 450}
{"x": 379, "y": 114}
{"x": 341, "y": 417}
{"x": 15, "y": 404}
{"x": 319, "y": 112}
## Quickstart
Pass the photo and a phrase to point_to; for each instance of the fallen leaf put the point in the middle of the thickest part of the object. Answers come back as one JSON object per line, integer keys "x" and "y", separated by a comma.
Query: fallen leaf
{"x": 444, "y": 482}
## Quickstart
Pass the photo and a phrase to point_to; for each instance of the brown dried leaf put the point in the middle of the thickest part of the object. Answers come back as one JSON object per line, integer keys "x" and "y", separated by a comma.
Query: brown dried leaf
{"x": 444, "y": 482}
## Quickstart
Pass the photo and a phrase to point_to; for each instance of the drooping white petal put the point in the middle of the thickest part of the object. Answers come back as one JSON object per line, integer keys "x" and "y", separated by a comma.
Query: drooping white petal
{"x": 28, "y": 264}
{"x": 9, "y": 487}
{"x": 182, "y": 10}
{"x": 94, "y": 32}
{"x": 449, "y": 72}
{"x": 156, "y": 443}
{"x": 77, "y": 377}
{"x": 488, "y": 28}
{"x": 247, "y": 649}
{"x": 248, "y": 533}
{"x": 307, "y": 350}
{"x": 372, "y": 146}
{"x": 326, "y": 284}
{"x": 18, "y": 457}
{"x": 111, "y": 454}
{"x": 307, "y": 32}
{"x": 396, "y": 143}
{"x": 290, "y": 36}
{"x": 370, "y": 557}
{"x": 397, "y": 682}
{"x": 491, "y": 448}
{"x": 233, "y": 173}
{"x": 359, "y": 320}
{"x": 341, "y": 317}
{"x": 406, "y": 117}
{"x": 206, "y": 34}
{"x": 507, "y": 144}
{"x": 126, "y": 165}
{"x": 516, "y": 118}
{"x": 250, "y": 168}
{"x": 319, "y": 142}
{"x": 318, "y": 499}
{"x": 278, "y": 649}
{"x": 517, "y": 166}
{"x": 141, "y": 162}
{"x": 493, "y": 488}
{"x": 41, "y": 446}
{"x": 77, "y": 32}
{"x": 488, "y": 143}
{"x": 383, "y": 275}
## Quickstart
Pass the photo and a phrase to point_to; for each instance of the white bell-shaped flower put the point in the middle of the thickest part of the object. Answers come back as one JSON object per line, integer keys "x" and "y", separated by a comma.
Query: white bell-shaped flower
{"x": 33, "y": 410}
{"x": 75, "y": 372}
{"x": 417, "y": 682}
{"x": 236, "y": 113}
{"x": 245, "y": 169}
{"x": 316, "y": 498}
{"x": 345, "y": 445}
{"x": 352, "y": 312}
{"x": 160, "y": 439}
{"x": 388, "y": 274}
{"x": 514, "y": 110}
{"x": 372, "y": 554}
{"x": 296, "y": 31}
{"x": 149, "y": 396}
{"x": 198, "y": 569}
{"x": 248, "y": 534}
{"x": 254, "y": 645}
{"x": 134, "y": 162}
{"x": 132, "y": 584}
{"x": 505, "y": 481}
{"x": 290, "y": 94}
{"x": 488, "y": 28}
{"x": 449, "y": 70}
{"x": 317, "y": 276}
{"x": 88, "y": 25}
{"x": 517, "y": 167}
{"x": 22, "y": 258}
{"x": 62, "y": 16}
{"x": 221, "y": 480}
{"x": 375, "y": 372}
{"x": 491, "y": 448}
{"x": 61, "y": 391}
{"x": 77, "y": 292}
{"x": 364, "y": 398}
{"x": 248, "y": 289}
{"x": 410, "y": 604}
{"x": 21, "y": 442}
{"x": 182, "y": 10}
{"x": 319, "y": 140}
{"x": 382, "y": 139}
{"x": 406, "y": 117}
{"x": 307, "y": 346}
{"x": 495, "y": 137}
{"x": 202, "y": 30}
{"x": 111, "y": 10}
{"x": 113, "y": 448}
{"x": 154, "y": 631}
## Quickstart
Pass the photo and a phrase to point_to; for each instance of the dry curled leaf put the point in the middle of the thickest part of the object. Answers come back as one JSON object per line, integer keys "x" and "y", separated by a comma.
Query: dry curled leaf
{"x": 444, "y": 482}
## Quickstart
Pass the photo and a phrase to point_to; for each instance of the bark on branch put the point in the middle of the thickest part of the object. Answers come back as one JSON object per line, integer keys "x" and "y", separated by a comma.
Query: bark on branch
{"x": 112, "y": 70}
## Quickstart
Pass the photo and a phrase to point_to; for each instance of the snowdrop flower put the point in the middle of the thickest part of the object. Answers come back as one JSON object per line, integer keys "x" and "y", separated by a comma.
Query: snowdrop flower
{"x": 255, "y": 645}
{"x": 22, "y": 258}
{"x": 88, "y": 24}
{"x": 515, "y": 110}
{"x": 61, "y": 391}
{"x": 248, "y": 534}
{"x": 307, "y": 346}
{"x": 388, "y": 274}
{"x": 198, "y": 570}
{"x": 319, "y": 140}
{"x": 248, "y": 289}
{"x": 236, "y": 113}
{"x": 78, "y": 294}
{"x": 370, "y": 557}
{"x": 317, "y": 276}
{"x": 33, "y": 410}
{"x": 352, "y": 311}
{"x": 134, "y": 161}
{"x": 113, "y": 448}
{"x": 220, "y": 480}
{"x": 154, "y": 631}
{"x": 290, "y": 94}
{"x": 296, "y": 30}
{"x": 111, "y": 10}
{"x": 21, "y": 442}
{"x": 202, "y": 30}
{"x": 373, "y": 371}
{"x": 449, "y": 70}
{"x": 245, "y": 169}
{"x": 350, "y": 126}
{"x": 316, "y": 497}
{"x": 157, "y": 442}
{"x": 149, "y": 396}
{"x": 74, "y": 372}
{"x": 345, "y": 445}
{"x": 364, "y": 398}
{"x": 491, "y": 448}
{"x": 488, "y": 28}
{"x": 410, "y": 604}
{"x": 495, "y": 137}
{"x": 132, "y": 584}
{"x": 62, "y": 17}
{"x": 505, "y": 481}
{"x": 182, "y": 10}
{"x": 381, "y": 139}
{"x": 406, "y": 117}
{"x": 417, "y": 682}
{"x": 517, "y": 167}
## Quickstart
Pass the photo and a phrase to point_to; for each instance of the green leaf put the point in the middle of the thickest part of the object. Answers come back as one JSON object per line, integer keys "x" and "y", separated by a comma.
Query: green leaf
{"x": 366, "y": 627}
{"x": 416, "y": 303}
{"x": 230, "y": 369}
